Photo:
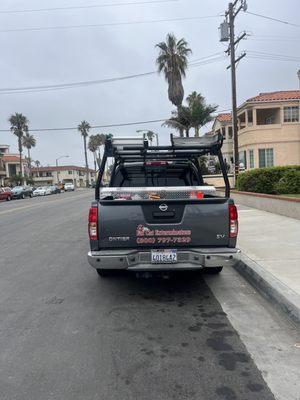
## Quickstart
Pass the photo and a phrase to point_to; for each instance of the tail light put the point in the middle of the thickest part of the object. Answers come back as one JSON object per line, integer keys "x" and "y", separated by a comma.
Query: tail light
{"x": 196, "y": 195}
{"x": 233, "y": 221}
{"x": 93, "y": 223}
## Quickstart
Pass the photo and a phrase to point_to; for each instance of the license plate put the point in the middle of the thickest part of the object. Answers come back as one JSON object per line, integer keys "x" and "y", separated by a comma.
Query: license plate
{"x": 163, "y": 256}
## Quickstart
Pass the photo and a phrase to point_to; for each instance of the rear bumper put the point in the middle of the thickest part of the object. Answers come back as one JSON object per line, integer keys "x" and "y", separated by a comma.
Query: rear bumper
{"x": 188, "y": 259}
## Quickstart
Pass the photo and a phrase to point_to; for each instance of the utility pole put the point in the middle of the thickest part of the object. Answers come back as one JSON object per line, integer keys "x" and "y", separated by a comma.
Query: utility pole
{"x": 227, "y": 34}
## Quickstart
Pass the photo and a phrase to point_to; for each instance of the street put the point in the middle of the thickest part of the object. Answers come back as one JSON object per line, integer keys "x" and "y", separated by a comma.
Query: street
{"x": 67, "y": 334}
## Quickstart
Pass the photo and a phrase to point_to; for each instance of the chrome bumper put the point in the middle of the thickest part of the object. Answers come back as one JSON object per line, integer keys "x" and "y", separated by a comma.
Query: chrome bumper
{"x": 135, "y": 260}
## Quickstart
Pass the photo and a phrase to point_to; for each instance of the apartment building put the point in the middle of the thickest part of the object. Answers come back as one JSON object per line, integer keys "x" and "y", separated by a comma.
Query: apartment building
{"x": 9, "y": 164}
{"x": 223, "y": 124}
{"x": 44, "y": 176}
{"x": 268, "y": 130}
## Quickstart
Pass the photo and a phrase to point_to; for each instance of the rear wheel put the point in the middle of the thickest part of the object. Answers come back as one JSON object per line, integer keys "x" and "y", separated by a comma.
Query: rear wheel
{"x": 22, "y": 196}
{"x": 31, "y": 195}
{"x": 105, "y": 272}
{"x": 213, "y": 270}
{"x": 8, "y": 198}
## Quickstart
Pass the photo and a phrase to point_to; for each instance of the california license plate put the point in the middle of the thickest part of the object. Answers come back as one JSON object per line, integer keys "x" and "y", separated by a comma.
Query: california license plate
{"x": 164, "y": 256}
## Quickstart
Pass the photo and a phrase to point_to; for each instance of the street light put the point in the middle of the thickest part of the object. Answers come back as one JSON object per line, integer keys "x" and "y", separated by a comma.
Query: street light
{"x": 148, "y": 131}
{"x": 56, "y": 163}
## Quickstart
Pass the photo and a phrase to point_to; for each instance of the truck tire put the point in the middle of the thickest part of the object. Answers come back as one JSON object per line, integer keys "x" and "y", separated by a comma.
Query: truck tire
{"x": 105, "y": 272}
{"x": 213, "y": 270}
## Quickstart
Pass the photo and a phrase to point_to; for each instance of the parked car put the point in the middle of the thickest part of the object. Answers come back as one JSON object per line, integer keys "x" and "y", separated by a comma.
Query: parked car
{"x": 69, "y": 187}
{"x": 54, "y": 189}
{"x": 20, "y": 192}
{"x": 42, "y": 191}
{"x": 158, "y": 214}
{"x": 5, "y": 194}
{"x": 61, "y": 186}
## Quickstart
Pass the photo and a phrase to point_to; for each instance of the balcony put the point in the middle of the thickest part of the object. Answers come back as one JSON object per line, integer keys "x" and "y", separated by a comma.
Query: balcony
{"x": 42, "y": 178}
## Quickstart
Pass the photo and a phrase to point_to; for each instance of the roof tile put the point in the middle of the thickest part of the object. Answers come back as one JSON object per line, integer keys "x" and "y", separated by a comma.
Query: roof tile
{"x": 276, "y": 96}
{"x": 225, "y": 117}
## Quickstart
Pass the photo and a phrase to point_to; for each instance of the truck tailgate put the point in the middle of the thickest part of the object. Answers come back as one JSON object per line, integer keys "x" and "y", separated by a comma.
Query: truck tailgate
{"x": 167, "y": 223}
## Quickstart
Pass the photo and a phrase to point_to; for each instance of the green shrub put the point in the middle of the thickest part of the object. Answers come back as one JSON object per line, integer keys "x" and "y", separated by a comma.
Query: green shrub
{"x": 289, "y": 183}
{"x": 264, "y": 180}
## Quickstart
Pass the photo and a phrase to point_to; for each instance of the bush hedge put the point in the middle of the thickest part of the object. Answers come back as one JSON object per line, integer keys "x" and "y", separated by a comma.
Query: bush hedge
{"x": 271, "y": 180}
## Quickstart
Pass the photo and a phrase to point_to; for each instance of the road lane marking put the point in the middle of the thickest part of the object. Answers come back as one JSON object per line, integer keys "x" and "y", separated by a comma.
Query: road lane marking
{"x": 42, "y": 204}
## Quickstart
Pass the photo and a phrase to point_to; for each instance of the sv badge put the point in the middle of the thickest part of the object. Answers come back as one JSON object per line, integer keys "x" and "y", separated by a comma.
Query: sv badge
{"x": 220, "y": 236}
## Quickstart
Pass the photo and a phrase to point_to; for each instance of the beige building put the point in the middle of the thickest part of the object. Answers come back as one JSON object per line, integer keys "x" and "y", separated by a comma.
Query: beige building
{"x": 269, "y": 130}
{"x": 44, "y": 176}
{"x": 222, "y": 124}
{"x": 9, "y": 165}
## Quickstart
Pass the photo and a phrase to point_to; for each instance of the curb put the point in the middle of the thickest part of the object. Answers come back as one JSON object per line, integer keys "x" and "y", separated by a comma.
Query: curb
{"x": 281, "y": 296}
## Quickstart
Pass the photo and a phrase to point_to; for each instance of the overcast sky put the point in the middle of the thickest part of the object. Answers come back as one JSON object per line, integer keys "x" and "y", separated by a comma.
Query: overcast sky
{"x": 64, "y": 56}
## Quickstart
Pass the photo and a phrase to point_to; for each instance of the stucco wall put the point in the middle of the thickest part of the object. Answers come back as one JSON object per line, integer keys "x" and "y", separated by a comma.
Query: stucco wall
{"x": 217, "y": 180}
{"x": 274, "y": 204}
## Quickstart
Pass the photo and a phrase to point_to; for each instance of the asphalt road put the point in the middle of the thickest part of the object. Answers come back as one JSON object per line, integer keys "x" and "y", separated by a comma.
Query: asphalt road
{"x": 67, "y": 334}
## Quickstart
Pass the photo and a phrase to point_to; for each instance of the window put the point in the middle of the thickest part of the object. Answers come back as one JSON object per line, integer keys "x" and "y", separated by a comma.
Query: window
{"x": 291, "y": 114}
{"x": 266, "y": 158}
{"x": 70, "y": 172}
{"x": 269, "y": 158}
{"x": 243, "y": 158}
{"x": 270, "y": 120}
{"x": 230, "y": 132}
{"x": 250, "y": 117}
{"x": 223, "y": 131}
{"x": 251, "y": 159}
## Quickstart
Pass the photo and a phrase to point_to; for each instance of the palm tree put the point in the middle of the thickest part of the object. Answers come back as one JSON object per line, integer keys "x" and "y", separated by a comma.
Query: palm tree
{"x": 201, "y": 113}
{"x": 150, "y": 135}
{"x": 19, "y": 126}
{"x": 93, "y": 147}
{"x": 181, "y": 120}
{"x": 29, "y": 141}
{"x": 173, "y": 62}
{"x": 84, "y": 128}
{"x": 196, "y": 114}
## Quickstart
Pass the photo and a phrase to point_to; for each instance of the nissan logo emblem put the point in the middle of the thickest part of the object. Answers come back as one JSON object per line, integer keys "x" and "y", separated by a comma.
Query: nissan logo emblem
{"x": 163, "y": 207}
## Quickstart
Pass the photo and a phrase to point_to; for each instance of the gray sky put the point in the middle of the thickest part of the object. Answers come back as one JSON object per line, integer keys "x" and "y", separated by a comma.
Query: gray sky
{"x": 63, "y": 56}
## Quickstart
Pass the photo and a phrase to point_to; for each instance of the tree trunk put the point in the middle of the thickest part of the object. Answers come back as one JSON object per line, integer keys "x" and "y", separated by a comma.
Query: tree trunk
{"x": 187, "y": 132}
{"x": 181, "y": 132}
{"x": 86, "y": 163}
{"x": 196, "y": 131}
{"x": 20, "y": 153}
{"x": 95, "y": 162}
{"x": 29, "y": 161}
{"x": 99, "y": 158}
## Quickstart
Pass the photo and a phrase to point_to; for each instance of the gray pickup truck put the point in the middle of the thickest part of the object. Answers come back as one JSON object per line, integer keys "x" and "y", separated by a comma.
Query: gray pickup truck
{"x": 158, "y": 213}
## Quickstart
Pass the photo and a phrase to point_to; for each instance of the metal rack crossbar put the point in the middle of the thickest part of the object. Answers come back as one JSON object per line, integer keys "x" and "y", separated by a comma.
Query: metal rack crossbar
{"x": 130, "y": 150}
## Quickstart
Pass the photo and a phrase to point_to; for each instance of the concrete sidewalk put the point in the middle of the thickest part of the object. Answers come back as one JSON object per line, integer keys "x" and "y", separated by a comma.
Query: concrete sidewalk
{"x": 270, "y": 244}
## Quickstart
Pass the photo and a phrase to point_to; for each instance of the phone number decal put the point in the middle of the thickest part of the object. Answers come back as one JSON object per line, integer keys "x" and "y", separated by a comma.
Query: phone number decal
{"x": 163, "y": 240}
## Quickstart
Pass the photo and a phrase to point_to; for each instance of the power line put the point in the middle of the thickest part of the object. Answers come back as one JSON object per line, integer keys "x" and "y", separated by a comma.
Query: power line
{"x": 87, "y": 6}
{"x": 273, "y": 19}
{"x": 100, "y": 126}
{"x": 279, "y": 57}
{"x": 272, "y": 38}
{"x": 273, "y": 59}
{"x": 51, "y": 28}
{"x": 29, "y": 89}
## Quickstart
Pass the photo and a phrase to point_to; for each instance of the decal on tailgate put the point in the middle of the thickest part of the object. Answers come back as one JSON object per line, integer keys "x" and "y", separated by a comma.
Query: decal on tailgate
{"x": 144, "y": 235}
